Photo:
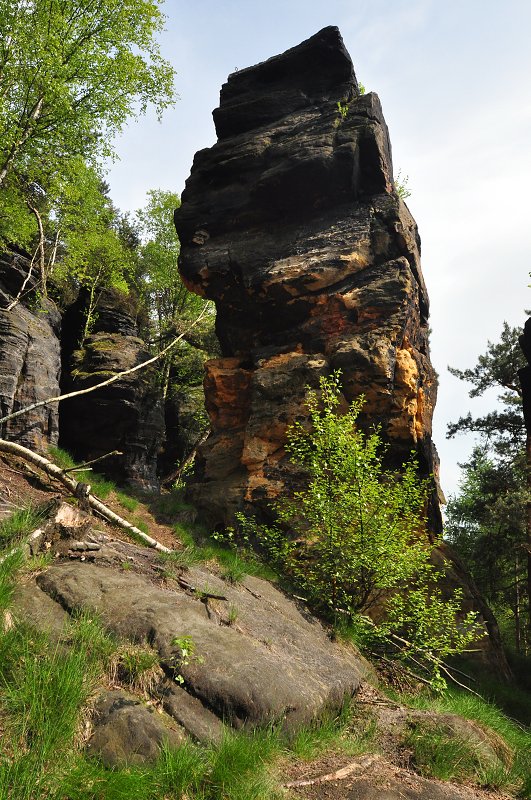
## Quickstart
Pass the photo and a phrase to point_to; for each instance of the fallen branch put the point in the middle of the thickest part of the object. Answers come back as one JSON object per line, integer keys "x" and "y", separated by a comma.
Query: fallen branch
{"x": 108, "y": 381}
{"x": 77, "y": 487}
{"x": 356, "y": 766}
{"x": 174, "y": 476}
{"x": 81, "y": 467}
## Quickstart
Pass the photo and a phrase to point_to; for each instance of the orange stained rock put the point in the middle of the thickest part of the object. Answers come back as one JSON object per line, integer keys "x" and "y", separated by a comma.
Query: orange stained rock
{"x": 227, "y": 388}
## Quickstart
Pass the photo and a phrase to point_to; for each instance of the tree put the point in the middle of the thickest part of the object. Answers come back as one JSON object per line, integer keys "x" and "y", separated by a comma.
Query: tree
{"x": 486, "y": 522}
{"x": 87, "y": 231}
{"x": 167, "y": 297}
{"x": 71, "y": 73}
{"x": 169, "y": 303}
{"x": 354, "y": 539}
{"x": 486, "y": 525}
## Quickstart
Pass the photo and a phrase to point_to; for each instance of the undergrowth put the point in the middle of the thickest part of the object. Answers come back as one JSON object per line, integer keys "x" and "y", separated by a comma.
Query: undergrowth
{"x": 199, "y": 546}
{"x": 47, "y": 686}
{"x": 434, "y": 750}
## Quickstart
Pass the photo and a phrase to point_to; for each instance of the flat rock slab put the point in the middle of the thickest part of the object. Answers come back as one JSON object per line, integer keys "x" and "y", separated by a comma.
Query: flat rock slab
{"x": 273, "y": 664}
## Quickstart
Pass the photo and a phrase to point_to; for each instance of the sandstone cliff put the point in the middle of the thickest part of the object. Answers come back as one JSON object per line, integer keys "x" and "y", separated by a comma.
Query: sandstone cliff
{"x": 125, "y": 416}
{"x": 292, "y": 225}
{"x": 30, "y": 362}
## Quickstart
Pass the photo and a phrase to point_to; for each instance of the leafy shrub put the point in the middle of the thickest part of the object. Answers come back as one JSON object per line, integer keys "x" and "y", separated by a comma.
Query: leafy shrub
{"x": 354, "y": 540}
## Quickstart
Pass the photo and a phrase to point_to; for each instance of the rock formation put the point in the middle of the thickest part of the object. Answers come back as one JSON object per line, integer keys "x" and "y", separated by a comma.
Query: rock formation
{"x": 125, "y": 416}
{"x": 30, "y": 361}
{"x": 292, "y": 225}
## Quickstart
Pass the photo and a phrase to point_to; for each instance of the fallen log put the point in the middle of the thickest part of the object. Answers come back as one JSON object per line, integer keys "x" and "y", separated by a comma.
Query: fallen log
{"x": 78, "y": 488}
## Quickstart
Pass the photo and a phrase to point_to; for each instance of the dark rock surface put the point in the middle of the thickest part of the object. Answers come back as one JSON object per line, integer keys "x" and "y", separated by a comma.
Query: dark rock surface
{"x": 292, "y": 225}
{"x": 128, "y": 732}
{"x": 127, "y": 415}
{"x": 30, "y": 363}
{"x": 273, "y": 664}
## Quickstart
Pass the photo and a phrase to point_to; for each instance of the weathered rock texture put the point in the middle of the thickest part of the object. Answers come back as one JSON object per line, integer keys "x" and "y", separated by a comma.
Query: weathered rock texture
{"x": 125, "y": 416}
{"x": 259, "y": 658}
{"x": 291, "y": 223}
{"x": 30, "y": 361}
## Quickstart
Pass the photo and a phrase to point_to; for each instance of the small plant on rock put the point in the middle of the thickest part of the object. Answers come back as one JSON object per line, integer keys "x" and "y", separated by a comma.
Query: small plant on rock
{"x": 187, "y": 653}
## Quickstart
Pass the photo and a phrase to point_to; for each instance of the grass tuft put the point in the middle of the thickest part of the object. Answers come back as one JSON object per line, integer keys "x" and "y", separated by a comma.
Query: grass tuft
{"x": 19, "y": 524}
{"x": 137, "y": 666}
{"x": 101, "y": 487}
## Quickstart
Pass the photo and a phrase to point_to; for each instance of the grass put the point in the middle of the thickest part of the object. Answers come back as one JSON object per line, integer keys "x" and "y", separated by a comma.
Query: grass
{"x": 342, "y": 732}
{"x": 19, "y": 524}
{"x": 129, "y": 503}
{"x": 136, "y": 666}
{"x": 44, "y": 692}
{"x": 438, "y": 754}
{"x": 434, "y": 750}
{"x": 101, "y": 487}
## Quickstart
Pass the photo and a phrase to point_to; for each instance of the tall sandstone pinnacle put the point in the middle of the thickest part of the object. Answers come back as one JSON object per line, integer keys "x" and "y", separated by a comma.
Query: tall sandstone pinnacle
{"x": 291, "y": 223}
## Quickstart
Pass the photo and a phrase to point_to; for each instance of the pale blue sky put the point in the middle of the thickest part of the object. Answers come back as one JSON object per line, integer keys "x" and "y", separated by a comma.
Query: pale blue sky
{"x": 454, "y": 78}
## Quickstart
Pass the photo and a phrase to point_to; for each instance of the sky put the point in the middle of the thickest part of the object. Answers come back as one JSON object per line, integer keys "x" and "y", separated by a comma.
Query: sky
{"x": 454, "y": 78}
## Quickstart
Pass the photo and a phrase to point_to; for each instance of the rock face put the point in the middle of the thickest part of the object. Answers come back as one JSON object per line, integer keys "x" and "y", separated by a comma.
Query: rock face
{"x": 272, "y": 664}
{"x": 30, "y": 360}
{"x": 125, "y": 416}
{"x": 292, "y": 225}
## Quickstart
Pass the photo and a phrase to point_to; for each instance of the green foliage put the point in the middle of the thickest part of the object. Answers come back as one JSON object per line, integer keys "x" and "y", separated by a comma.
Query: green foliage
{"x": 83, "y": 230}
{"x": 171, "y": 306}
{"x": 342, "y": 109}
{"x": 354, "y": 540}
{"x": 71, "y": 76}
{"x": 185, "y": 655}
{"x": 401, "y": 185}
{"x": 487, "y": 519}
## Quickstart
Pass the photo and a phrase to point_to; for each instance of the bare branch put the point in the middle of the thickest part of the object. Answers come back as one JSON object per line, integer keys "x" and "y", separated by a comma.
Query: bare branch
{"x": 357, "y": 766}
{"x": 14, "y": 302}
{"x": 85, "y": 464}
